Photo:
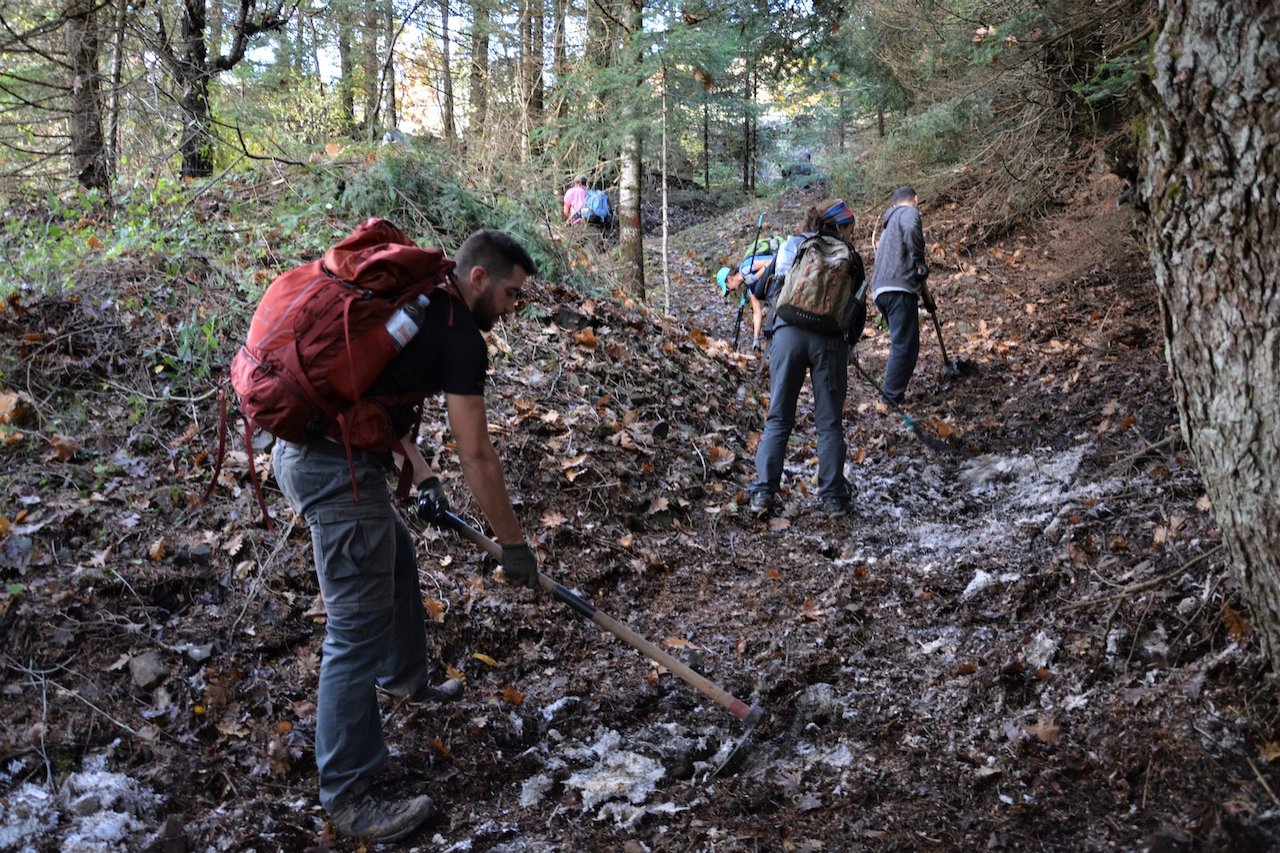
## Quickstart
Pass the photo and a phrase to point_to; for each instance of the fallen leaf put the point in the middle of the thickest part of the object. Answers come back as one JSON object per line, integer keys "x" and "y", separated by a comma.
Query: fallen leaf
{"x": 438, "y": 745}
{"x": 1270, "y": 751}
{"x": 64, "y": 447}
{"x": 628, "y": 540}
{"x": 434, "y": 608}
{"x": 17, "y": 408}
{"x": 810, "y": 609}
{"x": 512, "y": 696}
{"x": 586, "y": 337}
{"x": 553, "y": 519}
{"x": 721, "y": 457}
{"x": 1044, "y": 730}
{"x": 1237, "y": 625}
{"x": 483, "y": 658}
{"x": 156, "y": 550}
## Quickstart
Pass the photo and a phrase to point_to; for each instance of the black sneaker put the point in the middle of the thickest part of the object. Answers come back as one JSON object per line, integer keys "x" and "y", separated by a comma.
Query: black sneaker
{"x": 836, "y": 507}
{"x": 375, "y": 819}
{"x": 760, "y": 504}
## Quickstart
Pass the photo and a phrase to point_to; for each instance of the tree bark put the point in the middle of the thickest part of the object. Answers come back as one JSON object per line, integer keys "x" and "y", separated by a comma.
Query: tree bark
{"x": 630, "y": 235}
{"x": 193, "y": 69}
{"x": 389, "y": 69}
{"x": 89, "y": 156}
{"x": 370, "y": 71}
{"x": 560, "y": 54}
{"x": 478, "y": 86}
{"x": 346, "y": 73}
{"x": 192, "y": 73}
{"x": 446, "y": 73}
{"x": 117, "y": 80}
{"x": 1213, "y": 190}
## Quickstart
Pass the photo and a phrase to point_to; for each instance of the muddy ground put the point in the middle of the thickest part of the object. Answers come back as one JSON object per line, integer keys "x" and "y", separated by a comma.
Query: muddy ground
{"x": 1025, "y": 637}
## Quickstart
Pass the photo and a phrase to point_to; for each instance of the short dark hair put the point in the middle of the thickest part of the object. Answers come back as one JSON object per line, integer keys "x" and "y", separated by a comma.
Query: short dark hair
{"x": 497, "y": 251}
{"x": 902, "y": 194}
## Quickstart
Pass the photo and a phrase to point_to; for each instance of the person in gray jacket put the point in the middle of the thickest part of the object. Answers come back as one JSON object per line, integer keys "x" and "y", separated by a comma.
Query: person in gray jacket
{"x": 898, "y": 287}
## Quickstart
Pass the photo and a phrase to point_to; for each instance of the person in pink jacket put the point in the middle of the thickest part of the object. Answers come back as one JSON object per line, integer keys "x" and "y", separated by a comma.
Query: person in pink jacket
{"x": 574, "y": 198}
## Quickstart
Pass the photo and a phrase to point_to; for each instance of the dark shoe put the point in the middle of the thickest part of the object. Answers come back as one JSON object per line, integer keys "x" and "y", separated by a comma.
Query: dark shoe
{"x": 760, "y": 503}
{"x": 375, "y": 819}
{"x": 445, "y": 691}
{"x": 836, "y": 507}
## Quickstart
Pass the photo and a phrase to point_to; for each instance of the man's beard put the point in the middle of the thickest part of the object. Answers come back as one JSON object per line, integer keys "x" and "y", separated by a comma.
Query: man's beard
{"x": 484, "y": 312}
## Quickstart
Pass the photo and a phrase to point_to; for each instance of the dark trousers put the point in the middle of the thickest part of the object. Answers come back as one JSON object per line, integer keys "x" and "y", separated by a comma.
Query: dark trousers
{"x": 901, "y": 310}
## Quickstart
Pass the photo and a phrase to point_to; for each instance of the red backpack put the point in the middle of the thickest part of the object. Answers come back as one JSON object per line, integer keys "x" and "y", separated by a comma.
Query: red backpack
{"x": 319, "y": 338}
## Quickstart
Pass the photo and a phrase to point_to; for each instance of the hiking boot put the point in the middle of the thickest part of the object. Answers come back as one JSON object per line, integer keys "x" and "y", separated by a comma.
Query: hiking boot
{"x": 376, "y": 819}
{"x": 760, "y": 504}
{"x": 836, "y": 507}
{"x": 449, "y": 690}
{"x": 446, "y": 691}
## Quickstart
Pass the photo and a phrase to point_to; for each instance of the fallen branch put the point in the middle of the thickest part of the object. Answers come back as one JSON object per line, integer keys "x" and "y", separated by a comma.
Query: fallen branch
{"x": 1142, "y": 586}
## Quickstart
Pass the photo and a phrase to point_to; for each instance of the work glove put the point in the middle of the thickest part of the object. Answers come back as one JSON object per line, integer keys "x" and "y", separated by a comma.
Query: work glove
{"x": 432, "y": 503}
{"x": 927, "y": 298}
{"x": 520, "y": 565}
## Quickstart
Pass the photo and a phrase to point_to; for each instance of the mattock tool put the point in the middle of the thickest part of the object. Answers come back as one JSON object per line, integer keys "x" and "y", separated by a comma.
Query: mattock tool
{"x": 751, "y": 714}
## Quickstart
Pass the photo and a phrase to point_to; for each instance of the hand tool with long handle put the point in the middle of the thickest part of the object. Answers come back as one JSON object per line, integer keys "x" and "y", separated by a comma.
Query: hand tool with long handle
{"x": 950, "y": 366}
{"x": 751, "y": 714}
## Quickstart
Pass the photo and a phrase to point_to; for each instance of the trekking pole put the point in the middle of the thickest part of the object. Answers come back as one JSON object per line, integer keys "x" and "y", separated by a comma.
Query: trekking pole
{"x": 742, "y": 297}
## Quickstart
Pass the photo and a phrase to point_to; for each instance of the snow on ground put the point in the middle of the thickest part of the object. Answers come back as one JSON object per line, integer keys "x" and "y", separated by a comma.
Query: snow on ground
{"x": 93, "y": 810}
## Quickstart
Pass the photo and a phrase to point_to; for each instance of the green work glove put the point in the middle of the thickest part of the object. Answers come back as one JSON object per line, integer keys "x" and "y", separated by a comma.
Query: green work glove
{"x": 432, "y": 503}
{"x": 520, "y": 565}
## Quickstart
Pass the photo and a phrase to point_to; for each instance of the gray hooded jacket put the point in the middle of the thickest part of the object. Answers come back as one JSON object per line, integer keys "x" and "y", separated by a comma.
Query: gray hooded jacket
{"x": 900, "y": 263}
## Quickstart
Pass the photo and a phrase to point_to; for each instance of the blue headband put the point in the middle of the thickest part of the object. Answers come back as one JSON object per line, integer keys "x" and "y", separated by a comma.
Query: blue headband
{"x": 838, "y": 214}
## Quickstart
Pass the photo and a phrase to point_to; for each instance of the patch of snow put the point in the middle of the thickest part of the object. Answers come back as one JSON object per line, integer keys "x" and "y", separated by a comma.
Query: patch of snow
{"x": 25, "y": 814}
{"x": 619, "y": 775}
{"x": 534, "y": 790}
{"x": 627, "y": 816}
{"x": 104, "y": 811}
{"x": 1041, "y": 649}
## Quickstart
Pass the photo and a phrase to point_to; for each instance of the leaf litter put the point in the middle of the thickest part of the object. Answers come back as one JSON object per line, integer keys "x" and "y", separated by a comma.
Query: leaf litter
{"x": 966, "y": 661}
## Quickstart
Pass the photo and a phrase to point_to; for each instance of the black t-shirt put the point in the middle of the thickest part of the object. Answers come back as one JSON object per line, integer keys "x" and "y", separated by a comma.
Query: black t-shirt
{"x": 447, "y": 354}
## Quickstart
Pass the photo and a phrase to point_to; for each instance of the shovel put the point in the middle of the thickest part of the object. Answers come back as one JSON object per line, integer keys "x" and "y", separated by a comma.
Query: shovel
{"x": 751, "y": 714}
{"x": 950, "y": 366}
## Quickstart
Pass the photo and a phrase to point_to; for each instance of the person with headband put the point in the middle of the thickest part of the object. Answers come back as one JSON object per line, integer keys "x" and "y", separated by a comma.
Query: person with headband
{"x": 824, "y": 355}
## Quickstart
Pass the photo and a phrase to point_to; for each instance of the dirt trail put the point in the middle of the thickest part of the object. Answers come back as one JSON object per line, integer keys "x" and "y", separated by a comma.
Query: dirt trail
{"x": 1027, "y": 642}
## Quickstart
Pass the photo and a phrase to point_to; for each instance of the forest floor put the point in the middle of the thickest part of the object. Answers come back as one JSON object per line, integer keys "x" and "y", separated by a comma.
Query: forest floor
{"x": 1025, "y": 637}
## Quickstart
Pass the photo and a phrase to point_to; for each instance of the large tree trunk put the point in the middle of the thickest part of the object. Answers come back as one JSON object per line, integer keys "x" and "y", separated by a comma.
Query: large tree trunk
{"x": 196, "y": 145}
{"x": 346, "y": 73}
{"x": 391, "y": 101}
{"x": 446, "y": 73}
{"x": 117, "y": 80}
{"x": 371, "y": 72}
{"x": 478, "y": 86}
{"x": 1213, "y": 189}
{"x": 89, "y": 156}
{"x": 193, "y": 69}
{"x": 630, "y": 236}
{"x": 559, "y": 54}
